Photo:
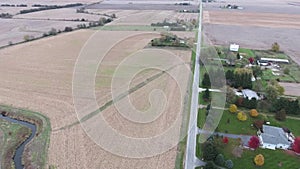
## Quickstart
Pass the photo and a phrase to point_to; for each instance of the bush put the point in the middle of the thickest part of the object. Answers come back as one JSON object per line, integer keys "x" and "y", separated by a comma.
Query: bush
{"x": 233, "y": 108}
{"x": 209, "y": 151}
{"x": 242, "y": 116}
{"x": 240, "y": 101}
{"x": 68, "y": 29}
{"x": 290, "y": 106}
{"x": 28, "y": 37}
{"x": 238, "y": 57}
{"x": 230, "y": 96}
{"x": 259, "y": 160}
{"x": 210, "y": 165}
{"x": 296, "y": 145}
{"x": 286, "y": 71}
{"x": 225, "y": 140}
{"x": 229, "y": 164}
{"x": 206, "y": 95}
{"x": 250, "y": 104}
{"x": 53, "y": 31}
{"x": 206, "y": 81}
{"x": 253, "y": 113}
{"x": 281, "y": 115}
{"x": 220, "y": 160}
{"x": 275, "y": 47}
{"x": 254, "y": 142}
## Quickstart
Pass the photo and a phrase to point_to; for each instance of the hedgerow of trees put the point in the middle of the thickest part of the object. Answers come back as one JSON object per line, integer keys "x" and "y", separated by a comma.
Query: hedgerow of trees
{"x": 48, "y": 7}
{"x": 240, "y": 77}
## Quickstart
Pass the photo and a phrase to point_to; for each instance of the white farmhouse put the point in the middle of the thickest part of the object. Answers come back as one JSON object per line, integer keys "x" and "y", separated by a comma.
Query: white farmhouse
{"x": 273, "y": 138}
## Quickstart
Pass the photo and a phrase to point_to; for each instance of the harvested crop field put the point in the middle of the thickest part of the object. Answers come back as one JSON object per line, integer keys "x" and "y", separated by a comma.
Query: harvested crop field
{"x": 59, "y": 14}
{"x": 38, "y": 76}
{"x": 270, "y": 20}
{"x": 47, "y": 2}
{"x": 291, "y": 89}
{"x": 146, "y": 17}
{"x": 14, "y": 30}
{"x": 144, "y": 5}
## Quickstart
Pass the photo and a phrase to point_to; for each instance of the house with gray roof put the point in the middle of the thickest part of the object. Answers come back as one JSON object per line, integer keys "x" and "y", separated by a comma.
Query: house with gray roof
{"x": 272, "y": 137}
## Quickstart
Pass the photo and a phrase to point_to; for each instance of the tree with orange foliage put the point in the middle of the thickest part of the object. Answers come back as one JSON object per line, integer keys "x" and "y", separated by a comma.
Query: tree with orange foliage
{"x": 253, "y": 113}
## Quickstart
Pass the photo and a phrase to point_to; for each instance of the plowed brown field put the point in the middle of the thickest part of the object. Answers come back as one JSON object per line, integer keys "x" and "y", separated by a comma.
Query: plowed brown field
{"x": 38, "y": 76}
{"x": 271, "y": 20}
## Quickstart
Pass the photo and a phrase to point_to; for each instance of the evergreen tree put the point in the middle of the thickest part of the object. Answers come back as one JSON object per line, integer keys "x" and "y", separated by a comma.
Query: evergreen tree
{"x": 206, "y": 81}
{"x": 229, "y": 164}
{"x": 281, "y": 115}
{"x": 210, "y": 165}
{"x": 209, "y": 151}
{"x": 220, "y": 160}
{"x": 206, "y": 95}
{"x": 238, "y": 57}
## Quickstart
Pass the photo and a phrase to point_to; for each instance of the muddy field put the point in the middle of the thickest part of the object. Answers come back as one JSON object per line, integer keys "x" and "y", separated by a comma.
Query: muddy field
{"x": 38, "y": 76}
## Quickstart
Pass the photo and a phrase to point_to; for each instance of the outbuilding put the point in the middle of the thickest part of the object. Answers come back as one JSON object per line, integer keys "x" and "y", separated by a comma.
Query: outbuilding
{"x": 234, "y": 47}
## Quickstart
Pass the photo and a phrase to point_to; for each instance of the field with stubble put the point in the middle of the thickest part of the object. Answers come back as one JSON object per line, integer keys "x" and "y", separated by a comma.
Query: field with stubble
{"x": 38, "y": 76}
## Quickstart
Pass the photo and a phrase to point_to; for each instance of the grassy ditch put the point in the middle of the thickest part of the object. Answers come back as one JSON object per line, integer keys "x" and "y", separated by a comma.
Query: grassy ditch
{"x": 35, "y": 153}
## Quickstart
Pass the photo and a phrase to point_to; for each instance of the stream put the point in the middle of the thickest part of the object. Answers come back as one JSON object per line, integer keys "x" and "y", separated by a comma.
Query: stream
{"x": 19, "y": 151}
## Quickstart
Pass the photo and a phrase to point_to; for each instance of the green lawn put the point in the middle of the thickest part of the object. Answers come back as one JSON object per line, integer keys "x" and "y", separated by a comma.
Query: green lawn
{"x": 292, "y": 124}
{"x": 201, "y": 117}
{"x": 198, "y": 149}
{"x": 201, "y": 100}
{"x": 294, "y": 71}
{"x": 235, "y": 126}
{"x": 270, "y": 54}
{"x": 272, "y": 158}
{"x": 246, "y": 53}
{"x": 267, "y": 76}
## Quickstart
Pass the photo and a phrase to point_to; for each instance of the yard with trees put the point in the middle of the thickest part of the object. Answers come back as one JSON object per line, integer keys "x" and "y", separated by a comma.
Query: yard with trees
{"x": 243, "y": 116}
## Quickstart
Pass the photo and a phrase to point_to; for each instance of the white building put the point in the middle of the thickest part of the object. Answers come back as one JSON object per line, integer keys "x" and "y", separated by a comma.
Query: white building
{"x": 234, "y": 47}
{"x": 273, "y": 60}
{"x": 273, "y": 138}
{"x": 250, "y": 94}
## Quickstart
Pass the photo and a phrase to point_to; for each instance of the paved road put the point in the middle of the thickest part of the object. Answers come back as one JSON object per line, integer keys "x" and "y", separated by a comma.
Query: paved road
{"x": 191, "y": 161}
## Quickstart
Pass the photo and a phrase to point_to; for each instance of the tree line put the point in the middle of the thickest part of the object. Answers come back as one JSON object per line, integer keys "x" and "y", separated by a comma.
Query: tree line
{"x": 48, "y": 7}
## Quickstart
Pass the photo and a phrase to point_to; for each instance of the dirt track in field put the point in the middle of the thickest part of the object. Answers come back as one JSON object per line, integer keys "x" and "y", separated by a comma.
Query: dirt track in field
{"x": 38, "y": 76}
